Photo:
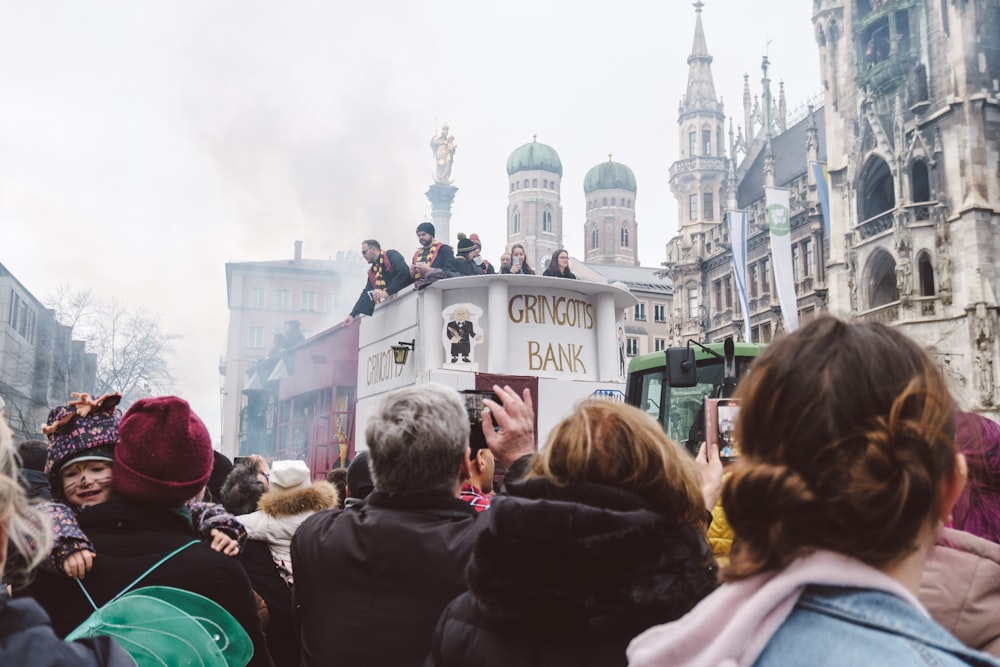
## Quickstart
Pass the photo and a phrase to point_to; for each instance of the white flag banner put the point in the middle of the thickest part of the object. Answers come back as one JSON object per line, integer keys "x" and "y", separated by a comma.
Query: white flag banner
{"x": 779, "y": 219}
{"x": 737, "y": 221}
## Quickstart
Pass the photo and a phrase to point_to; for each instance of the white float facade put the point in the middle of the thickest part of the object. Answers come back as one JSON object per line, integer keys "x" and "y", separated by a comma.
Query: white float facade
{"x": 561, "y": 332}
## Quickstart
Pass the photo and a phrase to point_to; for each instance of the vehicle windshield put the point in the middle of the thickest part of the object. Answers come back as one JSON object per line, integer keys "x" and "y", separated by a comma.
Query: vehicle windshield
{"x": 683, "y": 420}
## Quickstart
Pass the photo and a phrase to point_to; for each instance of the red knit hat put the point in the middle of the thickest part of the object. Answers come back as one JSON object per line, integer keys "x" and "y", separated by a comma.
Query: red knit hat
{"x": 164, "y": 452}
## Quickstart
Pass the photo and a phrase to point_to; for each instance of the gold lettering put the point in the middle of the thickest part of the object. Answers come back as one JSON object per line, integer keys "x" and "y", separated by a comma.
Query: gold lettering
{"x": 534, "y": 359}
{"x": 516, "y": 319}
{"x": 550, "y": 356}
{"x": 578, "y": 364}
{"x": 545, "y": 309}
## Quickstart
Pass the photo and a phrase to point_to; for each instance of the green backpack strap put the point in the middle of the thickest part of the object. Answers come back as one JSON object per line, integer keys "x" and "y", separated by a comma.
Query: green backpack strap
{"x": 139, "y": 578}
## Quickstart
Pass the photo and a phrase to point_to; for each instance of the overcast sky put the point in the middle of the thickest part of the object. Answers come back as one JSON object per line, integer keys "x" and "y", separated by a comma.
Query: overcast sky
{"x": 145, "y": 144}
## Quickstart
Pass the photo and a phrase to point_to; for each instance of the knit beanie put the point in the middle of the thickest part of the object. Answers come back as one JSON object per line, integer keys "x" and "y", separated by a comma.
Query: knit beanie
{"x": 359, "y": 476}
{"x": 465, "y": 245}
{"x": 84, "y": 429}
{"x": 289, "y": 475}
{"x": 164, "y": 454}
{"x": 425, "y": 227}
{"x": 475, "y": 239}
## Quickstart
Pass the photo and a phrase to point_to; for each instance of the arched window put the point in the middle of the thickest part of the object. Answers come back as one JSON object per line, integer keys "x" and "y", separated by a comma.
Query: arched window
{"x": 593, "y": 238}
{"x": 624, "y": 236}
{"x": 877, "y": 191}
{"x": 614, "y": 201}
{"x": 920, "y": 182}
{"x": 925, "y": 271}
{"x": 881, "y": 279}
{"x": 511, "y": 187}
{"x": 547, "y": 221}
{"x": 517, "y": 221}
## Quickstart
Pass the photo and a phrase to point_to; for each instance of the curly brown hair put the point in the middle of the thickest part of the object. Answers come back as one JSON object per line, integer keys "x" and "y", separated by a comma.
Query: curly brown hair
{"x": 846, "y": 431}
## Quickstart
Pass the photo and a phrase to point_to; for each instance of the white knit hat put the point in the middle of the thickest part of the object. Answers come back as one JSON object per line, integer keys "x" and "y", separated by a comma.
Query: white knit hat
{"x": 289, "y": 475}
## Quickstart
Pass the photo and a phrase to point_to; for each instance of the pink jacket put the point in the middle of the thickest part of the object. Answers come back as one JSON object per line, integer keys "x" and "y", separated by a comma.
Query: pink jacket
{"x": 960, "y": 587}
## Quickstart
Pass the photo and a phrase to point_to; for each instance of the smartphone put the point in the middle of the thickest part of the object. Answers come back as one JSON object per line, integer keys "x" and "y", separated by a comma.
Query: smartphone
{"x": 720, "y": 426}
{"x": 474, "y": 408}
{"x": 516, "y": 261}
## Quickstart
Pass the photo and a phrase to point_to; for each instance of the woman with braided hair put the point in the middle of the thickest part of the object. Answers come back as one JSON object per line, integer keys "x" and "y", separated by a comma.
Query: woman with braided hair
{"x": 849, "y": 470}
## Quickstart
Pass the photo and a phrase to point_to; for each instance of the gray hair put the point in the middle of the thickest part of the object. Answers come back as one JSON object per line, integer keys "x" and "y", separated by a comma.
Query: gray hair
{"x": 417, "y": 438}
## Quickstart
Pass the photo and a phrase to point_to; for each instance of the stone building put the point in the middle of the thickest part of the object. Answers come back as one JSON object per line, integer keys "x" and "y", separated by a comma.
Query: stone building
{"x": 273, "y": 305}
{"x": 913, "y": 138}
{"x": 534, "y": 208}
{"x": 40, "y": 363}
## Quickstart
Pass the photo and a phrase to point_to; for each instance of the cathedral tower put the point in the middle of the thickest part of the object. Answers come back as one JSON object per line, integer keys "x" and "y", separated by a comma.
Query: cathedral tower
{"x": 610, "y": 230}
{"x": 534, "y": 206}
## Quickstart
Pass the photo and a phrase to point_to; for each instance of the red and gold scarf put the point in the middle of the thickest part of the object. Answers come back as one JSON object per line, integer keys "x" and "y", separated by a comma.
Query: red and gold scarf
{"x": 427, "y": 254}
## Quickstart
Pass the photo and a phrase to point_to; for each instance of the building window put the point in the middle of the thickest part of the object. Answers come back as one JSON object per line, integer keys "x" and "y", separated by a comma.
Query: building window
{"x": 256, "y": 338}
{"x": 12, "y": 313}
{"x": 926, "y": 274}
{"x": 631, "y": 346}
{"x": 659, "y": 344}
{"x": 257, "y": 298}
{"x": 920, "y": 184}
{"x": 765, "y": 276}
{"x": 547, "y": 221}
{"x": 752, "y": 279}
{"x": 605, "y": 199}
{"x": 692, "y": 207}
{"x": 545, "y": 184}
{"x": 517, "y": 221}
{"x": 807, "y": 255}
{"x": 765, "y": 332}
{"x": 796, "y": 263}
{"x": 593, "y": 238}
{"x": 692, "y": 302}
{"x": 534, "y": 182}
{"x": 283, "y": 299}
{"x": 706, "y": 142}
{"x": 692, "y": 144}
{"x": 307, "y": 301}
{"x": 717, "y": 288}
{"x": 511, "y": 187}
{"x": 708, "y": 206}
{"x": 640, "y": 312}
{"x": 624, "y": 236}
{"x": 727, "y": 291}
{"x": 659, "y": 312}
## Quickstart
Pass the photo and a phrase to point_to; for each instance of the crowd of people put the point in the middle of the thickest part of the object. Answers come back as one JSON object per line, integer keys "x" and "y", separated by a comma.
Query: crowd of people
{"x": 434, "y": 260}
{"x": 861, "y": 526}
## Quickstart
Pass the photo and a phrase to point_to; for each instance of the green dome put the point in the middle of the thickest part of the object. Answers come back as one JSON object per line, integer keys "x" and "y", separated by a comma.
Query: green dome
{"x": 534, "y": 157}
{"x": 609, "y": 176}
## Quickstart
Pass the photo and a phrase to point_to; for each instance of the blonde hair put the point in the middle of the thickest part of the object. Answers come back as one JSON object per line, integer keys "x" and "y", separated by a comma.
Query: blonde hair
{"x": 27, "y": 528}
{"x": 618, "y": 445}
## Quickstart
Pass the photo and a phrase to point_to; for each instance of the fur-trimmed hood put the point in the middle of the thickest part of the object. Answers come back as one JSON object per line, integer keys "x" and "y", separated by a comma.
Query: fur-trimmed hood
{"x": 313, "y": 498}
{"x": 585, "y": 558}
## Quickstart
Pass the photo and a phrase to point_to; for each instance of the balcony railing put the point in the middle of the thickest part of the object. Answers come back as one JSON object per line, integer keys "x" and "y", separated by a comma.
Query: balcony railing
{"x": 886, "y": 314}
{"x": 876, "y": 225}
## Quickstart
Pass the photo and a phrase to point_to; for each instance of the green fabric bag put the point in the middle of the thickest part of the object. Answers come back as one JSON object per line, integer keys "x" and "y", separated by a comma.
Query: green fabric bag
{"x": 162, "y": 625}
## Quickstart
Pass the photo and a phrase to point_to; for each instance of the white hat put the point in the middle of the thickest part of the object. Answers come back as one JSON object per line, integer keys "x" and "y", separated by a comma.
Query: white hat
{"x": 289, "y": 475}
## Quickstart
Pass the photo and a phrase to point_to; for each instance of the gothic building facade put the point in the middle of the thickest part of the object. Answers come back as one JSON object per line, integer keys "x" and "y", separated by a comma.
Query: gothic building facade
{"x": 718, "y": 171}
{"x": 912, "y": 100}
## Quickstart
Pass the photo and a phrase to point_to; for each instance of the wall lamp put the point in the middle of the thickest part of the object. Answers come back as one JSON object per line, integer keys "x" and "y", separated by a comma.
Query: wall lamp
{"x": 401, "y": 350}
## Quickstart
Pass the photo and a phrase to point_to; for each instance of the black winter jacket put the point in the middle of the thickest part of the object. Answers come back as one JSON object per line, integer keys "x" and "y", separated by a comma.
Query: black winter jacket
{"x": 568, "y": 576}
{"x": 131, "y": 537}
{"x": 26, "y": 638}
{"x": 371, "y": 580}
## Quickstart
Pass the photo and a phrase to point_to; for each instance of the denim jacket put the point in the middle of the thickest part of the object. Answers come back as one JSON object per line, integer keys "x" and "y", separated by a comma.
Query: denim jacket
{"x": 849, "y": 626}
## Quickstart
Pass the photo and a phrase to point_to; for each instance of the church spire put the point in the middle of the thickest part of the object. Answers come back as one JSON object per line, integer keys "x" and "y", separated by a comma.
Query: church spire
{"x": 700, "y": 87}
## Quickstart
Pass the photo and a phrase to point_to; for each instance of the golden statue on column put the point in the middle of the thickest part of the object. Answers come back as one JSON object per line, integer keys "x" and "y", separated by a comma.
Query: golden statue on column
{"x": 444, "y": 153}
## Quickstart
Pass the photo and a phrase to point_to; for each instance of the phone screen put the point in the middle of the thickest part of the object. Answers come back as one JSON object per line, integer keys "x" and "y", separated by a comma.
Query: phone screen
{"x": 720, "y": 426}
{"x": 473, "y": 408}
